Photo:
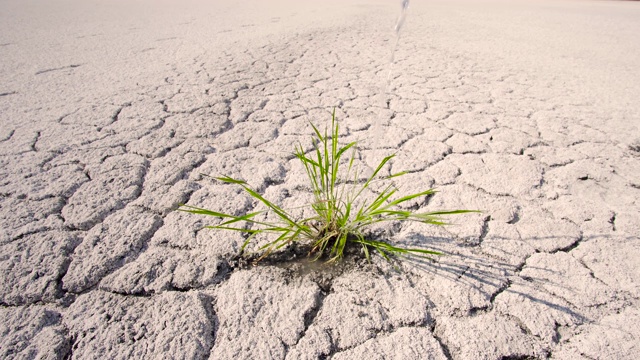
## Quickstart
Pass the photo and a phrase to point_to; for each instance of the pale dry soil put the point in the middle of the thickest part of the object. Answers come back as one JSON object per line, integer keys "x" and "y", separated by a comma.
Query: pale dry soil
{"x": 111, "y": 111}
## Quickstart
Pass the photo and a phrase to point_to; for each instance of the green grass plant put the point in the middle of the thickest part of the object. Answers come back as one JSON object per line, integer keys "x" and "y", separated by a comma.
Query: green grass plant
{"x": 341, "y": 213}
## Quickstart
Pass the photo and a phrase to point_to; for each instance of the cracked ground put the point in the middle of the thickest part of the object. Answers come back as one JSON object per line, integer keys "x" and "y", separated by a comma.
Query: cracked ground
{"x": 111, "y": 113}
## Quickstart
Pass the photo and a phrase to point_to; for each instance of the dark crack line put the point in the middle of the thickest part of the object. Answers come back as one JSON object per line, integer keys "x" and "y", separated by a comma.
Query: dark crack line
{"x": 35, "y": 141}
{"x": 9, "y": 136}
{"x": 484, "y": 309}
{"x": 484, "y": 230}
{"x": 115, "y": 115}
{"x": 311, "y": 315}
{"x": 56, "y": 69}
{"x": 517, "y": 357}
{"x": 571, "y": 246}
{"x": 72, "y": 344}
{"x": 207, "y": 303}
{"x": 612, "y": 221}
{"x": 463, "y": 272}
{"x": 525, "y": 330}
{"x": 443, "y": 346}
{"x": 592, "y": 274}
{"x": 486, "y": 192}
{"x": 60, "y": 292}
{"x": 516, "y": 217}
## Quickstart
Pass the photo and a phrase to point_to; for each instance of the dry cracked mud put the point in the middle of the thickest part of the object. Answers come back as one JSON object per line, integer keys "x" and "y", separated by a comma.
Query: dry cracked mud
{"x": 112, "y": 113}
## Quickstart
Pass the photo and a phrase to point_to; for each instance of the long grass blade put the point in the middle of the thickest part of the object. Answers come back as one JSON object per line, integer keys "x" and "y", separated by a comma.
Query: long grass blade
{"x": 343, "y": 149}
{"x": 201, "y": 211}
{"x": 230, "y": 180}
{"x": 397, "y": 174}
{"x": 453, "y": 212}
{"x": 380, "y": 166}
{"x": 411, "y": 197}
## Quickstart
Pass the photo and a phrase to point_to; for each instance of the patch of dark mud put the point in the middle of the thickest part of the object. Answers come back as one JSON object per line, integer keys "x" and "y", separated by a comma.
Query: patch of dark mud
{"x": 300, "y": 262}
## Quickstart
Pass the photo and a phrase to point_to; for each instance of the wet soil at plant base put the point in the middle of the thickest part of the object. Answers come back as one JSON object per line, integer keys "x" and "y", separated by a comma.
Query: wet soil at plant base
{"x": 298, "y": 263}
{"x": 111, "y": 111}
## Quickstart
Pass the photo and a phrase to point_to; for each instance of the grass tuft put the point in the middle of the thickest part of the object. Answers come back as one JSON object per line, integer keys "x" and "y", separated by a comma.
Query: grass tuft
{"x": 340, "y": 213}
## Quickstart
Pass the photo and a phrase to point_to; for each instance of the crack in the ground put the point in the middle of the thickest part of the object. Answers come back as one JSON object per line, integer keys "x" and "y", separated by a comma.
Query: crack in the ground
{"x": 484, "y": 230}
{"x": 516, "y": 216}
{"x": 612, "y": 221}
{"x": 208, "y": 304}
{"x": 35, "y": 141}
{"x": 518, "y": 357}
{"x": 571, "y": 246}
{"x": 72, "y": 346}
{"x": 116, "y": 114}
{"x": 72, "y": 66}
{"x": 9, "y": 135}
{"x": 464, "y": 271}
{"x": 474, "y": 311}
{"x": 443, "y": 346}
{"x": 60, "y": 292}
{"x": 311, "y": 314}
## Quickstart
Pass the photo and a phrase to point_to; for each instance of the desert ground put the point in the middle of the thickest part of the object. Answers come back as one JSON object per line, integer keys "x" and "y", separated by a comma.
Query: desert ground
{"x": 114, "y": 112}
